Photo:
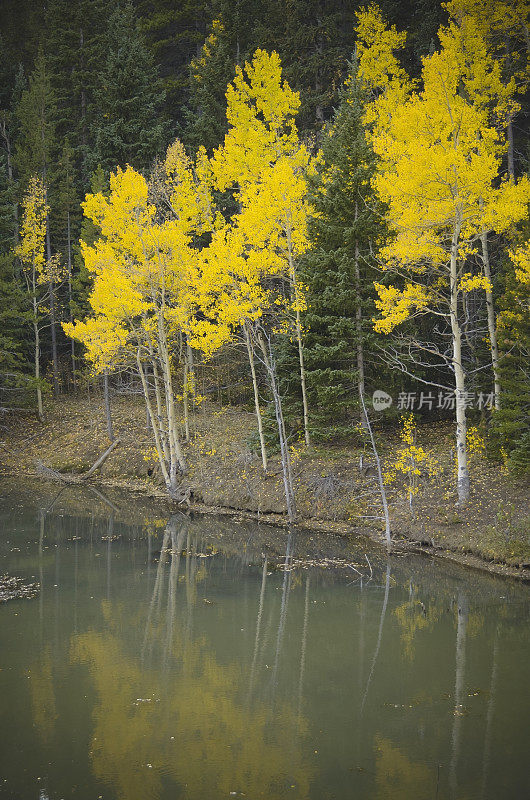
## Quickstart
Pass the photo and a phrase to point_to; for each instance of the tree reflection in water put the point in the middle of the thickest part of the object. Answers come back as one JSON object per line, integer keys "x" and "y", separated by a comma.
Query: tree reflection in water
{"x": 222, "y": 666}
{"x": 182, "y": 720}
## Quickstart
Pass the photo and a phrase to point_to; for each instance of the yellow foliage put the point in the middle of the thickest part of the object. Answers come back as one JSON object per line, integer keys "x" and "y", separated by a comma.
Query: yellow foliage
{"x": 411, "y": 460}
{"x": 146, "y": 270}
{"x": 469, "y": 282}
{"x": 475, "y": 443}
{"x": 266, "y": 167}
{"x": 521, "y": 260}
{"x": 260, "y": 113}
{"x": 440, "y": 150}
{"x": 396, "y": 306}
{"x": 33, "y": 228}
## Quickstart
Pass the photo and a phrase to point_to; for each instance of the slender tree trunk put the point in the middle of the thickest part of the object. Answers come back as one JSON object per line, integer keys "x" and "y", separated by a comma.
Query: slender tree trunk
{"x": 108, "y": 415}
{"x": 491, "y": 320}
{"x": 359, "y": 330}
{"x": 154, "y": 424}
{"x": 256, "y": 397}
{"x": 191, "y": 381}
{"x": 388, "y": 533}
{"x": 40, "y": 410}
{"x": 187, "y": 381}
{"x": 159, "y": 408}
{"x": 55, "y": 360}
{"x": 303, "y": 379}
{"x": 459, "y": 692}
{"x": 185, "y": 403}
{"x": 461, "y": 422}
{"x": 268, "y": 360}
{"x": 177, "y": 461}
{"x": 70, "y": 296}
{"x": 299, "y": 336}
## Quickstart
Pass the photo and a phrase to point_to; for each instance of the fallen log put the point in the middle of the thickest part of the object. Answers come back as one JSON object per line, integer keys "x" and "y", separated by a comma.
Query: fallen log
{"x": 101, "y": 460}
{"x": 68, "y": 477}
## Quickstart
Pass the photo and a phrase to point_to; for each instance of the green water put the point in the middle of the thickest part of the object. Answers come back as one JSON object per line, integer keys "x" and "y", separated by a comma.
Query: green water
{"x": 175, "y": 658}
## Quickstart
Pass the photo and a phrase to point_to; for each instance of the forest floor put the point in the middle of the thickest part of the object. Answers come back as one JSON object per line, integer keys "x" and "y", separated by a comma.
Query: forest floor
{"x": 492, "y": 531}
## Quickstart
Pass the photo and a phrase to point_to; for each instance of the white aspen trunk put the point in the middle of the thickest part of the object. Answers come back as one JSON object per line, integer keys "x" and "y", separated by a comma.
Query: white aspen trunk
{"x": 185, "y": 404}
{"x": 108, "y": 414}
{"x": 40, "y": 410}
{"x": 358, "y": 328}
{"x": 382, "y": 491}
{"x": 192, "y": 381}
{"x": 177, "y": 461}
{"x": 70, "y": 294}
{"x": 303, "y": 378}
{"x": 492, "y": 329}
{"x": 185, "y": 396}
{"x": 284, "y": 449}
{"x": 55, "y": 360}
{"x": 292, "y": 272}
{"x": 461, "y": 422}
{"x": 154, "y": 424}
{"x": 159, "y": 408}
{"x": 360, "y": 348}
{"x": 250, "y": 352}
{"x": 36, "y": 335}
{"x": 162, "y": 428}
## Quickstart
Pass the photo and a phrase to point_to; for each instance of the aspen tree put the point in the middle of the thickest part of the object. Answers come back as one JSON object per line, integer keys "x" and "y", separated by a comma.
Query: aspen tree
{"x": 480, "y": 38}
{"x": 265, "y": 165}
{"x": 144, "y": 266}
{"x": 38, "y": 271}
{"x": 440, "y": 176}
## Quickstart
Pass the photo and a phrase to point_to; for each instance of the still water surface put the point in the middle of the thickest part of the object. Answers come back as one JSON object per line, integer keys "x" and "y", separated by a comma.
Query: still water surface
{"x": 179, "y": 658}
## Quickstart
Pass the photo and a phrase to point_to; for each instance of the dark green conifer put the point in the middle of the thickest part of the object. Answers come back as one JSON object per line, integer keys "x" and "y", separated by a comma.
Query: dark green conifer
{"x": 509, "y": 437}
{"x": 129, "y": 128}
{"x": 339, "y": 270}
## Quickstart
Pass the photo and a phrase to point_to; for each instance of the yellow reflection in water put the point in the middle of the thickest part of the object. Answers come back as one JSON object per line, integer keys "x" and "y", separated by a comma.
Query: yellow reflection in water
{"x": 188, "y": 721}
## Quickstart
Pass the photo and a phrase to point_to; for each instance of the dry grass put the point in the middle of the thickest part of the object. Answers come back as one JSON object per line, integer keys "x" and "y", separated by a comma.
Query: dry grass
{"x": 224, "y": 471}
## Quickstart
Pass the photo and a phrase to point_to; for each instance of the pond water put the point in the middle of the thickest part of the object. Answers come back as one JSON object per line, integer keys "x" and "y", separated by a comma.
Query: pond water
{"x": 208, "y": 658}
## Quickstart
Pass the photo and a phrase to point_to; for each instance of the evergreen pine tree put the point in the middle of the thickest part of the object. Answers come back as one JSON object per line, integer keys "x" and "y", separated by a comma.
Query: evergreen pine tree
{"x": 174, "y": 33}
{"x": 510, "y": 430}
{"x": 129, "y": 128}
{"x": 314, "y": 41}
{"x": 37, "y": 115}
{"x": 210, "y": 73}
{"x": 15, "y": 367}
{"x": 339, "y": 270}
{"x": 75, "y": 46}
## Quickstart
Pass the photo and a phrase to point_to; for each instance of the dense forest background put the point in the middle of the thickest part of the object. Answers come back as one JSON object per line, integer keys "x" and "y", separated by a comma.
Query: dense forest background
{"x": 87, "y": 85}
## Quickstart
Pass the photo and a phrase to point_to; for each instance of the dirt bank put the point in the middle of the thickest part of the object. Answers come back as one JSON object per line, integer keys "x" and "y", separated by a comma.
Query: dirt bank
{"x": 225, "y": 475}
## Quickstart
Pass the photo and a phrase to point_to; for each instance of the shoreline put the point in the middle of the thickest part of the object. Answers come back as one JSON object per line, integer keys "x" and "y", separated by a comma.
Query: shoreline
{"x": 402, "y": 545}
